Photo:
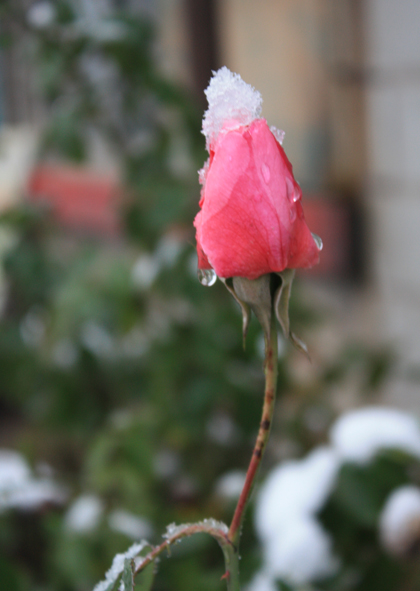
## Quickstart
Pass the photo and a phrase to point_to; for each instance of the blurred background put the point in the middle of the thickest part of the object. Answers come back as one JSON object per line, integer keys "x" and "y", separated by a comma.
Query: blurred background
{"x": 126, "y": 400}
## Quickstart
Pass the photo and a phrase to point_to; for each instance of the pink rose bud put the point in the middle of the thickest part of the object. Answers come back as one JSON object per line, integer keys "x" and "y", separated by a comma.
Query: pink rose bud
{"x": 251, "y": 221}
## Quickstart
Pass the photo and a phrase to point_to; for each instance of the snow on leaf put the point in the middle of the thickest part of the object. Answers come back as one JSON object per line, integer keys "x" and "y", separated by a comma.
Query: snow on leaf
{"x": 117, "y": 566}
{"x": 360, "y": 434}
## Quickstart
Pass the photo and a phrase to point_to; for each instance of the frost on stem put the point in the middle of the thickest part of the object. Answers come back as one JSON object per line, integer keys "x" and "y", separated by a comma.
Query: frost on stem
{"x": 207, "y": 526}
{"x": 117, "y": 566}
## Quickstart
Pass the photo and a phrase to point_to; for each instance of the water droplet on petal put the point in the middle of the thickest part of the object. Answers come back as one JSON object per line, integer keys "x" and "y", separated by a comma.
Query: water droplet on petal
{"x": 292, "y": 194}
{"x": 266, "y": 173}
{"x": 206, "y": 277}
{"x": 318, "y": 241}
{"x": 292, "y": 214}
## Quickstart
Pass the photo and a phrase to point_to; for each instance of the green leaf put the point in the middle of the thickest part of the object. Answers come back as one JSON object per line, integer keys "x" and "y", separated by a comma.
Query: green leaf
{"x": 145, "y": 578}
{"x": 127, "y": 577}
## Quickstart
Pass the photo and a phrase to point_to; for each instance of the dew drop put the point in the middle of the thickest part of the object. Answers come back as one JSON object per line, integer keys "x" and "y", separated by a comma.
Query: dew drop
{"x": 292, "y": 214}
{"x": 206, "y": 277}
{"x": 292, "y": 194}
{"x": 266, "y": 173}
{"x": 318, "y": 241}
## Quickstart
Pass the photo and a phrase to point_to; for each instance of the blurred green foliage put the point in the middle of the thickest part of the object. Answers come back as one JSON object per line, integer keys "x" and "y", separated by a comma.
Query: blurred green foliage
{"x": 132, "y": 385}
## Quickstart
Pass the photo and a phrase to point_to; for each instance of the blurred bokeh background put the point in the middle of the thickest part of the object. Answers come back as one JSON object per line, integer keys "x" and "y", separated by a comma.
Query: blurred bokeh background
{"x": 126, "y": 399}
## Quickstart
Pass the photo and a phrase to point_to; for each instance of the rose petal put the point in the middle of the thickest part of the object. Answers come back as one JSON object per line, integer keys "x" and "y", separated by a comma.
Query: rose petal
{"x": 251, "y": 222}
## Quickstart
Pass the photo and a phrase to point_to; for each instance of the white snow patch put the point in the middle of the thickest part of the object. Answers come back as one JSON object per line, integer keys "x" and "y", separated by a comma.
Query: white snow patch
{"x": 13, "y": 469}
{"x": 262, "y": 582}
{"x": 230, "y": 100}
{"x": 129, "y": 524}
{"x": 359, "y": 434}
{"x": 221, "y": 429}
{"x": 19, "y": 490}
{"x": 41, "y": 15}
{"x": 33, "y": 495}
{"x": 230, "y": 485}
{"x": 399, "y": 523}
{"x": 295, "y": 489}
{"x": 300, "y": 552}
{"x": 144, "y": 272}
{"x": 166, "y": 463}
{"x": 97, "y": 339}
{"x": 84, "y": 514}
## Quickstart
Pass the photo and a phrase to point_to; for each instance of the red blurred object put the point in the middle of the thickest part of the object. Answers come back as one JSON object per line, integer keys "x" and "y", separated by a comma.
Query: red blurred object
{"x": 80, "y": 199}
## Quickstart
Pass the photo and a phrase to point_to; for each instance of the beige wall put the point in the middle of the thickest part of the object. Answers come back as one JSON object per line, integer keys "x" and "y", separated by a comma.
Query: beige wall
{"x": 290, "y": 51}
{"x": 393, "y": 116}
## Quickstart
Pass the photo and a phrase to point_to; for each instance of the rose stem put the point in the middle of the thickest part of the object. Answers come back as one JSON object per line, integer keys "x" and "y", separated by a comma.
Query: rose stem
{"x": 270, "y": 370}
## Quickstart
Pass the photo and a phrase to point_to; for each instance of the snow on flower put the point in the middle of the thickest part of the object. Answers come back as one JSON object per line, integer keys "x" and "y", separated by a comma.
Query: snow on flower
{"x": 295, "y": 489}
{"x": 359, "y": 434}
{"x": 399, "y": 523}
{"x": 230, "y": 99}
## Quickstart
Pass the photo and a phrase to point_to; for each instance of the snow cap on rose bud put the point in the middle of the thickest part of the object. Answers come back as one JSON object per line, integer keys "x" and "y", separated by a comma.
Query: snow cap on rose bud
{"x": 250, "y": 230}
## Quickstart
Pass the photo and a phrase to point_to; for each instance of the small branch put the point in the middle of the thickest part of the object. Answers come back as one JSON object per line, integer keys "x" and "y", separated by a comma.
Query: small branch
{"x": 270, "y": 369}
{"x": 212, "y": 527}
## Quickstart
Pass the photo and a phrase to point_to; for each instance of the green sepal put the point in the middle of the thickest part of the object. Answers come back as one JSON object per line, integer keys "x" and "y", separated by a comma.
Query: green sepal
{"x": 281, "y": 301}
{"x": 260, "y": 296}
{"x": 246, "y": 310}
{"x": 300, "y": 345}
{"x": 256, "y": 294}
{"x": 282, "y": 298}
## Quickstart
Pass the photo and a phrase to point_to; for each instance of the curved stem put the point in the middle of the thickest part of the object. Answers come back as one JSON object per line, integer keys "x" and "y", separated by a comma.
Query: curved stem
{"x": 270, "y": 369}
{"x": 229, "y": 540}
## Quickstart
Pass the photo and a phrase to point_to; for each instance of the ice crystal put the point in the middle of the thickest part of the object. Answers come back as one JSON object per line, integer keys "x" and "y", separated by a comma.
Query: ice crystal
{"x": 278, "y": 134}
{"x": 174, "y": 530}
